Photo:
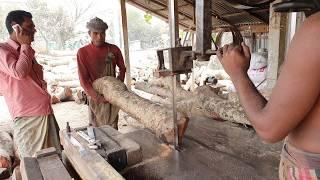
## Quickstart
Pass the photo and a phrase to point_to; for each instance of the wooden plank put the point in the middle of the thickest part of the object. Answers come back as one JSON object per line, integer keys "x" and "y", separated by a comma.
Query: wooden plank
{"x": 46, "y": 165}
{"x": 52, "y": 168}
{"x": 277, "y": 45}
{"x": 111, "y": 151}
{"x": 30, "y": 169}
{"x": 125, "y": 41}
{"x": 133, "y": 149}
{"x": 88, "y": 163}
{"x": 46, "y": 152}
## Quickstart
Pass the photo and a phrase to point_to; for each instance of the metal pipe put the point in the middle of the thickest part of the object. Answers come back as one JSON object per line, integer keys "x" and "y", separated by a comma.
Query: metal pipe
{"x": 174, "y": 39}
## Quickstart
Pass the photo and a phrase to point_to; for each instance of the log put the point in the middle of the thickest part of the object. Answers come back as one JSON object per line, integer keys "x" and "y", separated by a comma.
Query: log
{"x": 166, "y": 82}
{"x": 71, "y": 84}
{"x": 66, "y": 77}
{"x": 59, "y": 62}
{"x": 157, "y": 118}
{"x": 204, "y": 101}
{"x": 143, "y": 86}
{"x": 6, "y": 148}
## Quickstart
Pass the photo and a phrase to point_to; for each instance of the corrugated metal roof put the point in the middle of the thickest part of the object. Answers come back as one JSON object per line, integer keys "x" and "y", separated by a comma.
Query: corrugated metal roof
{"x": 225, "y": 13}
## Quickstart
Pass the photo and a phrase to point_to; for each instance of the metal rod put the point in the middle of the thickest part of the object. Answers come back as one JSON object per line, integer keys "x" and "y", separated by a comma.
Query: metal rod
{"x": 173, "y": 22}
{"x": 174, "y": 41}
{"x": 174, "y": 103}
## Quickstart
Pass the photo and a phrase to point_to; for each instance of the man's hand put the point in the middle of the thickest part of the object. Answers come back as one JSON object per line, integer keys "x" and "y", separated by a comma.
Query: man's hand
{"x": 23, "y": 36}
{"x": 101, "y": 99}
{"x": 235, "y": 59}
{"x": 4, "y": 162}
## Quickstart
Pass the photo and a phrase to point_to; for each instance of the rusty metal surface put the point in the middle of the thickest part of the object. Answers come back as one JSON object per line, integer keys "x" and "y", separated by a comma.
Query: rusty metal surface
{"x": 224, "y": 13}
{"x": 179, "y": 60}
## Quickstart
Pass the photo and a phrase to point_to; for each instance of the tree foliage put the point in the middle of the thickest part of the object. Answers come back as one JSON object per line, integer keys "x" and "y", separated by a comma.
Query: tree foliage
{"x": 53, "y": 25}
{"x": 140, "y": 27}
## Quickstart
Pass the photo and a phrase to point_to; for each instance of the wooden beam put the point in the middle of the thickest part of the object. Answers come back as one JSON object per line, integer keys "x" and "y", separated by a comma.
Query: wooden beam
{"x": 88, "y": 164}
{"x": 125, "y": 41}
{"x": 277, "y": 45}
{"x": 45, "y": 166}
{"x": 157, "y": 14}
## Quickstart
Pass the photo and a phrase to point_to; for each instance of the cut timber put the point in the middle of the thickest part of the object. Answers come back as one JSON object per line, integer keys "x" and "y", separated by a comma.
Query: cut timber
{"x": 88, "y": 163}
{"x": 155, "y": 117}
{"x": 45, "y": 166}
{"x": 59, "y": 62}
{"x": 133, "y": 149}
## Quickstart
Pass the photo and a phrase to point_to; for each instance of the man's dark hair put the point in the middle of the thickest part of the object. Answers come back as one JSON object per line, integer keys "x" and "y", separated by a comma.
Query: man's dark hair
{"x": 16, "y": 16}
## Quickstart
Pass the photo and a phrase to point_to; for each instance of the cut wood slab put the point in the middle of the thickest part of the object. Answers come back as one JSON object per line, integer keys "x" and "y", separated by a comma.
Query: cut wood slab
{"x": 45, "y": 166}
{"x": 88, "y": 163}
{"x": 157, "y": 118}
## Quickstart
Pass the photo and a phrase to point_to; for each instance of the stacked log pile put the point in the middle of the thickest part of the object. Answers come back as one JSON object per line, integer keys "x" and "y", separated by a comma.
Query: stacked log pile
{"x": 60, "y": 72}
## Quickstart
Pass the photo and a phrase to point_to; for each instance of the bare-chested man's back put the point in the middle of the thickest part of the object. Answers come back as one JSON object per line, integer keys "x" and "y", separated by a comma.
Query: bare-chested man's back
{"x": 293, "y": 110}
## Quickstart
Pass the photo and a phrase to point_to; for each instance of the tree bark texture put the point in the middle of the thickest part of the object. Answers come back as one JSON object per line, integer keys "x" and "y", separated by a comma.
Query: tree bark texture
{"x": 155, "y": 117}
{"x": 203, "y": 101}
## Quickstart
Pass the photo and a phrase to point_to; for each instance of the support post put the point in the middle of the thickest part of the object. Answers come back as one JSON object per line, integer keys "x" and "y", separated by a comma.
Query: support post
{"x": 173, "y": 23}
{"x": 277, "y": 45}
{"x": 203, "y": 28}
{"x": 125, "y": 42}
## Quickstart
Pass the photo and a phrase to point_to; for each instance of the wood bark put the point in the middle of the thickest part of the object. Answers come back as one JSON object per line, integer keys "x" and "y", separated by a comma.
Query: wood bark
{"x": 203, "y": 101}
{"x": 71, "y": 84}
{"x": 59, "y": 62}
{"x": 6, "y": 148}
{"x": 155, "y": 117}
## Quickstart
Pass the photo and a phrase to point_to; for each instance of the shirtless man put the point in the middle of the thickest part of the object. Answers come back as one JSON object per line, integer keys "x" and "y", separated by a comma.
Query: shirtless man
{"x": 293, "y": 111}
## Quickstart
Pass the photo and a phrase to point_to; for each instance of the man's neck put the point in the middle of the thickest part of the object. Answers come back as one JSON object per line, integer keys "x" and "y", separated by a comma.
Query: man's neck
{"x": 13, "y": 38}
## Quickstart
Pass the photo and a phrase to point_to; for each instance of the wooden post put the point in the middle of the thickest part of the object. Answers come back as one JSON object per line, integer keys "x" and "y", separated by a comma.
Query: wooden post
{"x": 125, "y": 41}
{"x": 277, "y": 45}
{"x": 175, "y": 42}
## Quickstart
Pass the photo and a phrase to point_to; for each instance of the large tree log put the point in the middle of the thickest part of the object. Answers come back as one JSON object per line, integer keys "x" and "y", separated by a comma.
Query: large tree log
{"x": 146, "y": 87}
{"x": 203, "y": 101}
{"x": 166, "y": 83}
{"x": 155, "y": 117}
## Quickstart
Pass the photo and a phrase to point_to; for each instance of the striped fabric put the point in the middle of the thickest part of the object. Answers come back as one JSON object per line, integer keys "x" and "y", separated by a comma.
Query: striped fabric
{"x": 291, "y": 169}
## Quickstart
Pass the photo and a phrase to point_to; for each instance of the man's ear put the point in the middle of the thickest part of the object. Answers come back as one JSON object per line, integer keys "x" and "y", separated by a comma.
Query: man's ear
{"x": 89, "y": 33}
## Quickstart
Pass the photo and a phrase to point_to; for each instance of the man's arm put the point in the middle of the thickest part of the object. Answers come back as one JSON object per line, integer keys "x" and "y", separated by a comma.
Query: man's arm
{"x": 120, "y": 64}
{"x": 296, "y": 91}
{"x": 17, "y": 68}
{"x": 85, "y": 81}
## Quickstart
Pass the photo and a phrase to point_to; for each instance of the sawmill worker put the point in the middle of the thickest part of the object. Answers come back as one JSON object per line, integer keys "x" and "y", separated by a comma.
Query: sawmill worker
{"x": 293, "y": 110}
{"x": 24, "y": 89}
{"x": 96, "y": 60}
